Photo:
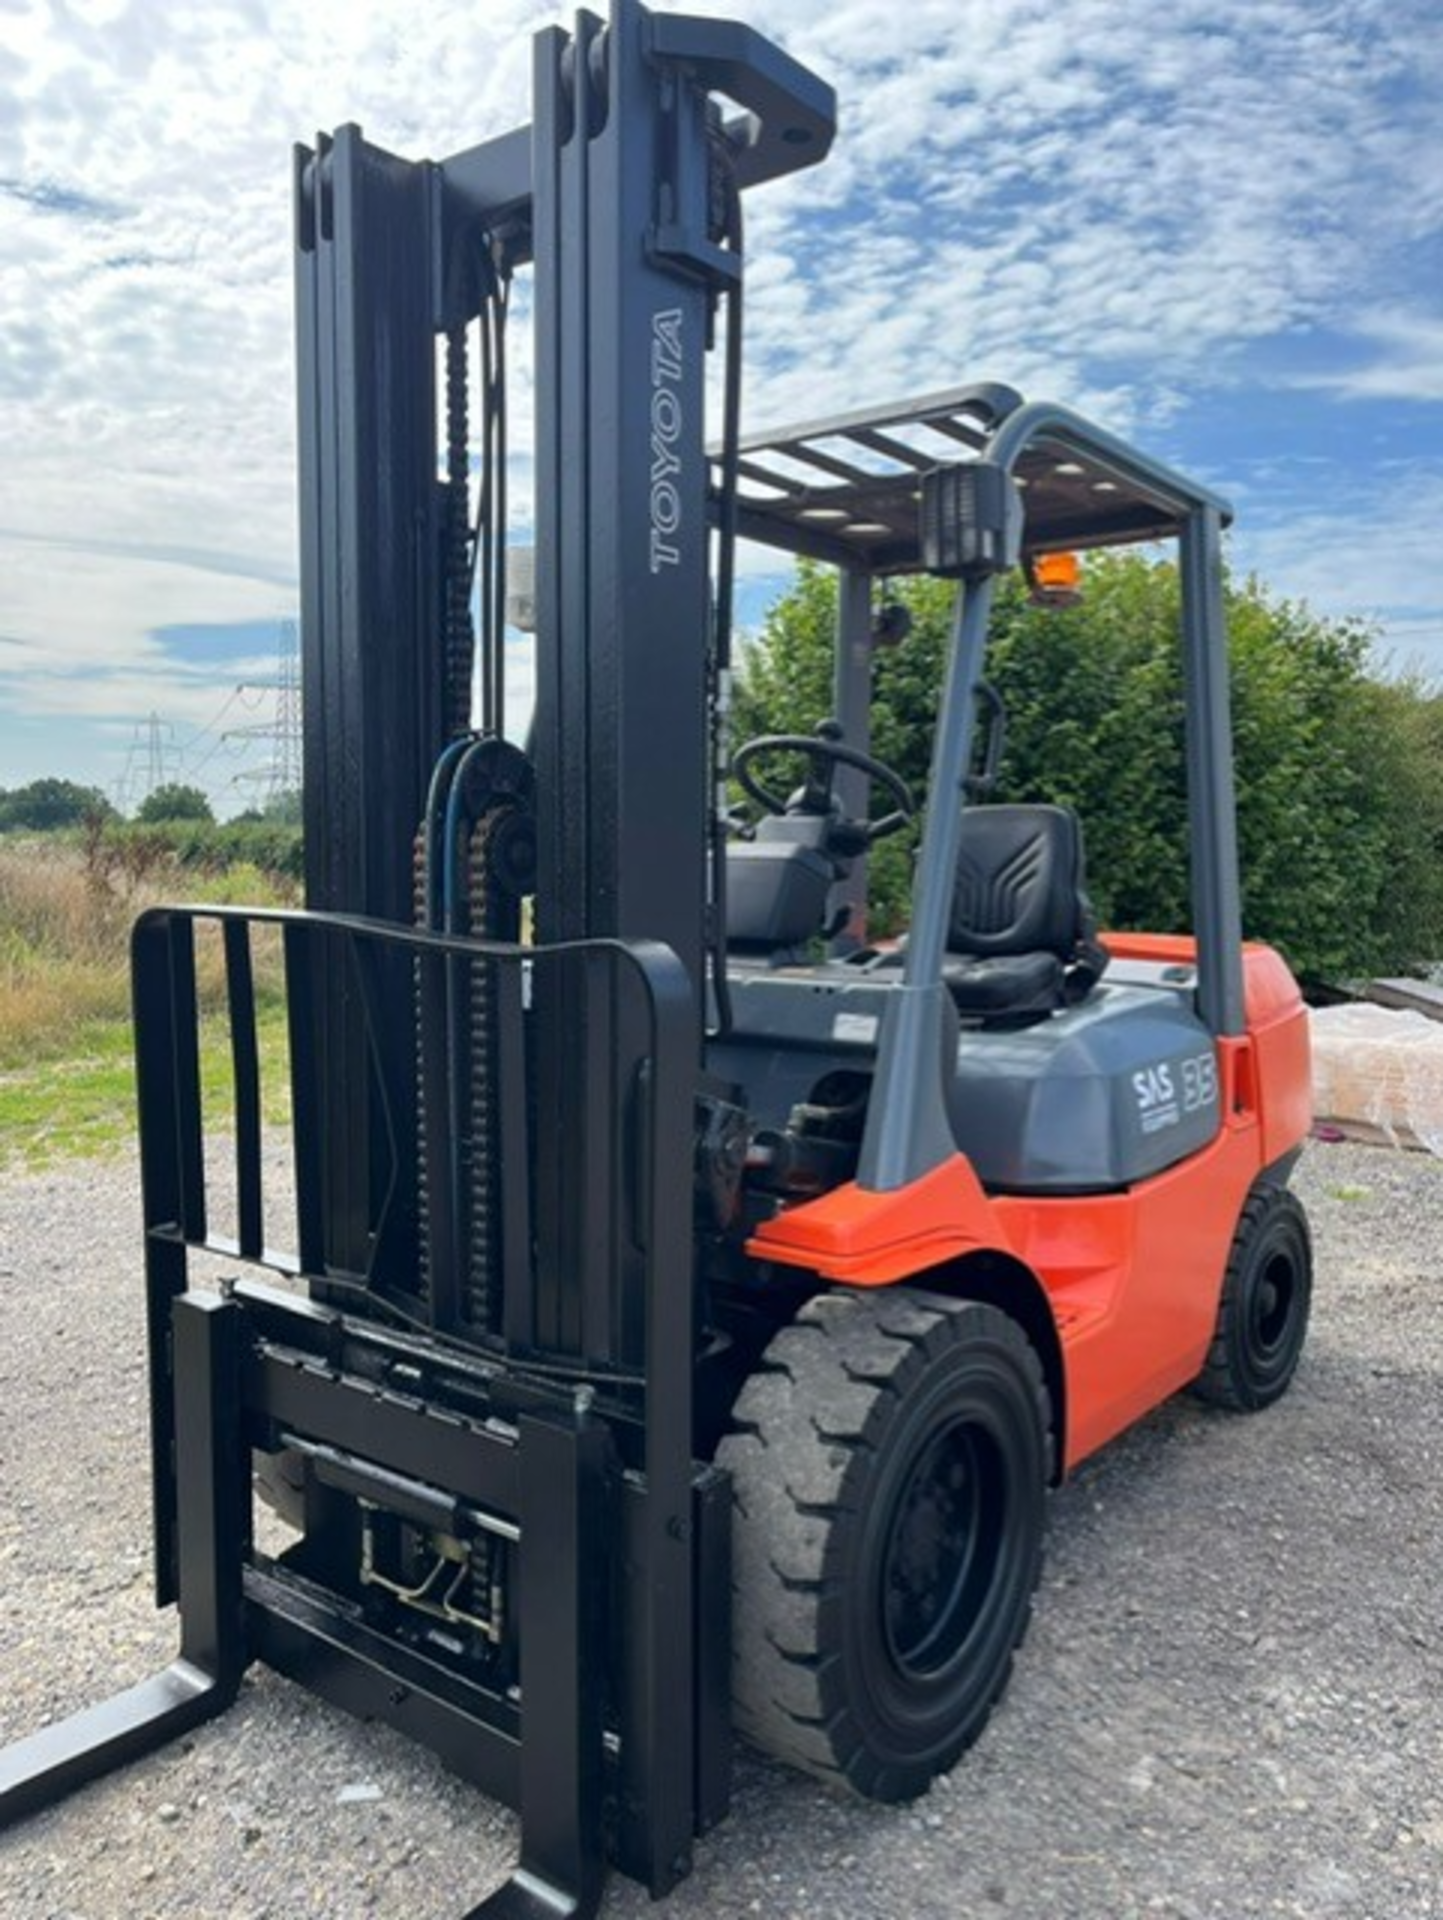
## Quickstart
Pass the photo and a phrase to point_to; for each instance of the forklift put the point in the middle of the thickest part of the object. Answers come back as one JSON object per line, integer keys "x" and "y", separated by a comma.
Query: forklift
{"x": 691, "y": 1305}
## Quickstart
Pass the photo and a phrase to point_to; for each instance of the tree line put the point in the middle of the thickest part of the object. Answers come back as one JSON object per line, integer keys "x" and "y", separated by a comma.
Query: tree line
{"x": 48, "y": 805}
{"x": 173, "y": 822}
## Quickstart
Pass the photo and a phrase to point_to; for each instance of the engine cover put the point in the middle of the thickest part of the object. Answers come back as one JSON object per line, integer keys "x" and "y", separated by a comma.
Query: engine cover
{"x": 1090, "y": 1099}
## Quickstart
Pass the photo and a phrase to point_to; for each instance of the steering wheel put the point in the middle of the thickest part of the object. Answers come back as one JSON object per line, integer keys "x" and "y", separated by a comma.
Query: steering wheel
{"x": 826, "y": 752}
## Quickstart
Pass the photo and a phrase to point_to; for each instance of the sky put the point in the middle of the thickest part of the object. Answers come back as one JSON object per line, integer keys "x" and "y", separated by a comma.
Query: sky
{"x": 1216, "y": 226}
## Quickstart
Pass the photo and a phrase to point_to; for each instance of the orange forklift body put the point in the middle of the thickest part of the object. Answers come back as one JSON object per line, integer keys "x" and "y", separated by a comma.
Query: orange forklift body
{"x": 1132, "y": 1279}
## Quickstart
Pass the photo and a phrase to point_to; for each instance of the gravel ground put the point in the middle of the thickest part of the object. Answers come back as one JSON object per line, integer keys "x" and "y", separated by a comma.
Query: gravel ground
{"x": 1230, "y": 1704}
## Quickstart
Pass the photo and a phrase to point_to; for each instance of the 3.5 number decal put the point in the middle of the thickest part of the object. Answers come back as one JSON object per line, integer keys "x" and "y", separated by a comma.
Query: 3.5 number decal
{"x": 1199, "y": 1082}
{"x": 1162, "y": 1101}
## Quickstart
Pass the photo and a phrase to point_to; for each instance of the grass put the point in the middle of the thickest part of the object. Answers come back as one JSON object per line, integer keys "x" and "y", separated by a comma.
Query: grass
{"x": 64, "y": 1109}
{"x": 67, "y": 1081}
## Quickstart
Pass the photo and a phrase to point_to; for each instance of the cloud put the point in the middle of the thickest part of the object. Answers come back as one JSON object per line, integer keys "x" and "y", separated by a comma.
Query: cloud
{"x": 1110, "y": 206}
{"x": 208, "y": 560}
{"x": 1408, "y": 364}
{"x": 49, "y": 196}
{"x": 78, "y": 698}
{"x": 1375, "y": 561}
{"x": 1133, "y": 191}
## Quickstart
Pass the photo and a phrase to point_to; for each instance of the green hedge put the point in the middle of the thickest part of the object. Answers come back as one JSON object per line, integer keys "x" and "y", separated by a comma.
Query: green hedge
{"x": 1339, "y": 770}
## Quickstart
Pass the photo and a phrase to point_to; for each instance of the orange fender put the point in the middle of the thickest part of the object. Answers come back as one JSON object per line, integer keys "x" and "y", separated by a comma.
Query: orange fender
{"x": 867, "y": 1239}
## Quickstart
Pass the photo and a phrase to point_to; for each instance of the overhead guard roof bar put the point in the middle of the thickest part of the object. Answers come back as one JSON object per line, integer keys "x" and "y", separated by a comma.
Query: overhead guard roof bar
{"x": 845, "y": 489}
{"x": 1040, "y": 422}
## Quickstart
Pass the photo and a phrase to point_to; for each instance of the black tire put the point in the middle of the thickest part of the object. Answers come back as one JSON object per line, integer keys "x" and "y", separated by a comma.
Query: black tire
{"x": 1263, "y": 1311}
{"x": 890, "y": 1475}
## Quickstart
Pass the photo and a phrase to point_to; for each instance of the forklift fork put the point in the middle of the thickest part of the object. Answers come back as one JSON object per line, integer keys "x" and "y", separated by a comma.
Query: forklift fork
{"x": 608, "y": 1730}
{"x": 213, "y": 1473}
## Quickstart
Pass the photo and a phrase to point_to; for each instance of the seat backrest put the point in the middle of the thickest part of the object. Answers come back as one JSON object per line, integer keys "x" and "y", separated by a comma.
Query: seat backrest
{"x": 1019, "y": 884}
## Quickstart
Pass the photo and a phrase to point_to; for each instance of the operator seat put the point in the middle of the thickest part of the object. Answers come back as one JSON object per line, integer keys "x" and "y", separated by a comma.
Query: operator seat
{"x": 1022, "y": 939}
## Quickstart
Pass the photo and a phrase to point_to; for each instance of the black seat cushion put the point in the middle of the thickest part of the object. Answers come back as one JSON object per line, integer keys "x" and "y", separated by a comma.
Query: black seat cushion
{"x": 1021, "y": 925}
{"x": 1011, "y": 983}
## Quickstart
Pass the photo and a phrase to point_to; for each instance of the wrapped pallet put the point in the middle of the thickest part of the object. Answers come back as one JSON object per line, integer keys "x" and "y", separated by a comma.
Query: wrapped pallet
{"x": 1378, "y": 1073}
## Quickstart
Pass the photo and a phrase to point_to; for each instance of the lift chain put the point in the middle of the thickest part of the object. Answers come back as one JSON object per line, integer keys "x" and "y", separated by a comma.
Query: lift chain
{"x": 493, "y": 913}
{"x": 460, "y": 631}
{"x": 423, "y": 1208}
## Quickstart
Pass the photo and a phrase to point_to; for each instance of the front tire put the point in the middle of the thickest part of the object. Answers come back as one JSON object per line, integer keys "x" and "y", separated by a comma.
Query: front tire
{"x": 890, "y": 1475}
{"x": 1263, "y": 1311}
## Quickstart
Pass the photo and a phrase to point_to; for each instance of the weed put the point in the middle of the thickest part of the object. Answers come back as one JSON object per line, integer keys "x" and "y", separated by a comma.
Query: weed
{"x": 66, "y": 910}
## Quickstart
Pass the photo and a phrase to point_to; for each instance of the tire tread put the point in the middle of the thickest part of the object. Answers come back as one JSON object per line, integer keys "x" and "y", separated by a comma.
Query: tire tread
{"x": 821, "y": 1394}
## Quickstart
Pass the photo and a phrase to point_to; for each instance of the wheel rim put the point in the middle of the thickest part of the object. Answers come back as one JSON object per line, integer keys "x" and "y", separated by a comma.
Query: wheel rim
{"x": 1273, "y": 1304}
{"x": 942, "y": 1549}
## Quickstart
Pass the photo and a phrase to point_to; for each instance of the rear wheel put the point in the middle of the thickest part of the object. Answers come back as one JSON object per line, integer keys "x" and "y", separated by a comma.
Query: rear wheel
{"x": 1263, "y": 1312}
{"x": 890, "y": 1479}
